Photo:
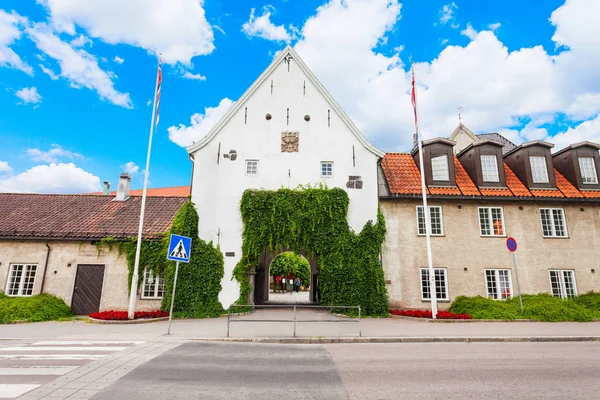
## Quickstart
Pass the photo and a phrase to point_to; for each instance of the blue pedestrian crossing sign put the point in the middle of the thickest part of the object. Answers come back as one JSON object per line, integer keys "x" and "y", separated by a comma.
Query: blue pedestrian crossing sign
{"x": 179, "y": 248}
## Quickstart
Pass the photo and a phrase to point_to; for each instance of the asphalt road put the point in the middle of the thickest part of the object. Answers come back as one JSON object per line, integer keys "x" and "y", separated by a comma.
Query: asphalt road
{"x": 197, "y": 370}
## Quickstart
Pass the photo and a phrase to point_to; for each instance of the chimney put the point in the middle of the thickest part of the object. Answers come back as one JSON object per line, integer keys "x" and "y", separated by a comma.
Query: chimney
{"x": 123, "y": 189}
{"x": 106, "y": 188}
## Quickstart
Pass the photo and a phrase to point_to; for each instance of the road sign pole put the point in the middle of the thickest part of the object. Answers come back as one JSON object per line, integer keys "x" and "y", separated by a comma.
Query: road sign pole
{"x": 173, "y": 297}
{"x": 518, "y": 284}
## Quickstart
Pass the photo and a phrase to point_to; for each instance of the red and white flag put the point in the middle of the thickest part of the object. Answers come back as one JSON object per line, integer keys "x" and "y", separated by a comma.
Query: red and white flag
{"x": 413, "y": 98}
{"x": 157, "y": 94}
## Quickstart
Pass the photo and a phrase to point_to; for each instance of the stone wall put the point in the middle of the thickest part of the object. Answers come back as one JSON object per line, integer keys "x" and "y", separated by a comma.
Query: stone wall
{"x": 62, "y": 269}
{"x": 465, "y": 253}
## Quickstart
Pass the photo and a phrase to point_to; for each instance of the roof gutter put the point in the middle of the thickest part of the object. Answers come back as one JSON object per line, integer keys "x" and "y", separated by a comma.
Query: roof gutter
{"x": 495, "y": 198}
{"x": 45, "y": 267}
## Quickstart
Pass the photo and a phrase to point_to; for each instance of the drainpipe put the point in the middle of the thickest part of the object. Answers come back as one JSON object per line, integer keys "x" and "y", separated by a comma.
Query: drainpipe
{"x": 45, "y": 267}
{"x": 192, "y": 180}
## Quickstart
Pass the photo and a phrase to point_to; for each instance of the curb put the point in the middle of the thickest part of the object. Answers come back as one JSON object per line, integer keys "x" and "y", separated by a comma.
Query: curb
{"x": 473, "y": 339}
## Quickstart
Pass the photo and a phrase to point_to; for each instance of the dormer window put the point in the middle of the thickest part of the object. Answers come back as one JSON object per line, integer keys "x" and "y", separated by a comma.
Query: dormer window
{"x": 588, "y": 170}
{"x": 439, "y": 168}
{"x": 489, "y": 168}
{"x": 539, "y": 170}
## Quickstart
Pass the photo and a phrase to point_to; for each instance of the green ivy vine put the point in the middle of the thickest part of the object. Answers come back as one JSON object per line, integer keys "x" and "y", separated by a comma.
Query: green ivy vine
{"x": 314, "y": 219}
{"x": 198, "y": 282}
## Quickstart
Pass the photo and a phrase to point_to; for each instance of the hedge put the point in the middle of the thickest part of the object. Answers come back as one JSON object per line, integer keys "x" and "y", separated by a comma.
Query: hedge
{"x": 540, "y": 307}
{"x": 42, "y": 307}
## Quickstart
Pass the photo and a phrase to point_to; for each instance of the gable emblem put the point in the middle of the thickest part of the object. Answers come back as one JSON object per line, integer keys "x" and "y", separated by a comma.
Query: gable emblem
{"x": 289, "y": 142}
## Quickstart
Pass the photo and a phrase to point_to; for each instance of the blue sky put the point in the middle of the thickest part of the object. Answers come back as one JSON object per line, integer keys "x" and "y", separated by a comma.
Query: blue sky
{"x": 76, "y": 79}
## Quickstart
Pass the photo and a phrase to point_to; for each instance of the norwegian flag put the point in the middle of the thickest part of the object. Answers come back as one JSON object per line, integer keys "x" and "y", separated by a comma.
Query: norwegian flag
{"x": 413, "y": 98}
{"x": 157, "y": 94}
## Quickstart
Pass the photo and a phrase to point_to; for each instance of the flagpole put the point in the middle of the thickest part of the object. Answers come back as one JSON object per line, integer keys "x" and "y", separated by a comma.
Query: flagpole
{"x": 134, "y": 279}
{"x": 426, "y": 212}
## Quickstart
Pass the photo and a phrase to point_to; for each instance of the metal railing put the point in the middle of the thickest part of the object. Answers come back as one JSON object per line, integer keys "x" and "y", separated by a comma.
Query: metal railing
{"x": 294, "y": 320}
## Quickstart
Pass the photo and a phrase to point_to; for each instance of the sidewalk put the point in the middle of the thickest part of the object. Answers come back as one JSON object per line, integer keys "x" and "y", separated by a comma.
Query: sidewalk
{"x": 370, "y": 327}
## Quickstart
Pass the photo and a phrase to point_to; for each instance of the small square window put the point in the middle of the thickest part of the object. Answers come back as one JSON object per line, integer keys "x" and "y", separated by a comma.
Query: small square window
{"x": 587, "y": 166}
{"x": 491, "y": 221}
{"x": 489, "y": 168}
{"x": 251, "y": 167}
{"x": 21, "y": 279}
{"x": 435, "y": 213}
{"x": 562, "y": 283}
{"x": 154, "y": 285}
{"x": 498, "y": 284}
{"x": 539, "y": 170}
{"x": 326, "y": 169}
{"x": 441, "y": 284}
{"x": 439, "y": 168}
{"x": 553, "y": 222}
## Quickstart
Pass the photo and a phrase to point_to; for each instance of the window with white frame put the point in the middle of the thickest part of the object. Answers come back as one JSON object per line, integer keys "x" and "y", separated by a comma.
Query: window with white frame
{"x": 553, "y": 222}
{"x": 435, "y": 213}
{"x": 439, "y": 168}
{"x": 587, "y": 166}
{"x": 498, "y": 284}
{"x": 491, "y": 221}
{"x": 21, "y": 279}
{"x": 539, "y": 170}
{"x": 326, "y": 169}
{"x": 251, "y": 167}
{"x": 562, "y": 283}
{"x": 154, "y": 285}
{"x": 489, "y": 168}
{"x": 441, "y": 284}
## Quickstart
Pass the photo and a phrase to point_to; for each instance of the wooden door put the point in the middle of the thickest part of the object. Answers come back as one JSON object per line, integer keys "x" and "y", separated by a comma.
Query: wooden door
{"x": 88, "y": 289}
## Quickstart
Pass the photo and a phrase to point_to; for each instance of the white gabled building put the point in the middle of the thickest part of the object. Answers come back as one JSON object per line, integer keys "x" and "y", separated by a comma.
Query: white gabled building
{"x": 286, "y": 130}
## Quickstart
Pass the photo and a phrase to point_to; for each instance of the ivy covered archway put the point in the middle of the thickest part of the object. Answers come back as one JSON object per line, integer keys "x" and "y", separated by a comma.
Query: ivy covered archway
{"x": 315, "y": 220}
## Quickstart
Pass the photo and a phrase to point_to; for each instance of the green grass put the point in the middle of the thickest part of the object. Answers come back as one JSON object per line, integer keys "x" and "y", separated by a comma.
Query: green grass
{"x": 43, "y": 307}
{"x": 539, "y": 307}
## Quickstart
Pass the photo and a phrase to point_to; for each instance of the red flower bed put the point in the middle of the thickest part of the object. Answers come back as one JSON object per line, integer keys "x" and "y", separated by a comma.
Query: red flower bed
{"x": 427, "y": 314}
{"x": 123, "y": 315}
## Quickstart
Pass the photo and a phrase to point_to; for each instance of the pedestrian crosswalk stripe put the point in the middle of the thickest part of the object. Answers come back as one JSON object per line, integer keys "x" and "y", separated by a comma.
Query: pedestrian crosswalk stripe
{"x": 51, "y": 356}
{"x": 64, "y": 348}
{"x": 35, "y": 370}
{"x": 84, "y": 342}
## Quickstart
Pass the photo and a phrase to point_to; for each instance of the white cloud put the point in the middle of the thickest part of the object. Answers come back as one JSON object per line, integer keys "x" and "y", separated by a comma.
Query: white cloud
{"x": 52, "y": 155}
{"x": 10, "y": 31}
{"x": 81, "y": 41}
{"x": 196, "y": 77}
{"x": 130, "y": 167}
{"x": 149, "y": 103}
{"x": 49, "y": 72}
{"x": 200, "y": 124}
{"x": 4, "y": 167}
{"x": 118, "y": 60}
{"x": 52, "y": 178}
{"x": 263, "y": 27}
{"x": 469, "y": 32}
{"x": 177, "y": 28}
{"x": 29, "y": 95}
{"x": 588, "y": 130}
{"x": 447, "y": 13}
{"x": 495, "y": 26}
{"x": 78, "y": 66}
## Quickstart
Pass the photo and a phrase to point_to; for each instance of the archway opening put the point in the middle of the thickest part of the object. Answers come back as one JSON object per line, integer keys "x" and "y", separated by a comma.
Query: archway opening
{"x": 286, "y": 278}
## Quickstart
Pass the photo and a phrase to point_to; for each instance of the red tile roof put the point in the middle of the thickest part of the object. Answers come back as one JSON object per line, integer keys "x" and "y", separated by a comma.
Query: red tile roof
{"x": 83, "y": 216}
{"x": 174, "y": 191}
{"x": 403, "y": 177}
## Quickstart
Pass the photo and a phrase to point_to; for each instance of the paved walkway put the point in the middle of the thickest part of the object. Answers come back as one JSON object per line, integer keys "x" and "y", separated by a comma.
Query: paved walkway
{"x": 289, "y": 298}
{"x": 217, "y": 328}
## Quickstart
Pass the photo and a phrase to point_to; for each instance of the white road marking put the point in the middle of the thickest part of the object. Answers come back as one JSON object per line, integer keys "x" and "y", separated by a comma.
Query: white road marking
{"x": 84, "y": 343}
{"x": 34, "y": 370}
{"x": 51, "y": 356}
{"x": 15, "y": 390}
{"x": 63, "y": 348}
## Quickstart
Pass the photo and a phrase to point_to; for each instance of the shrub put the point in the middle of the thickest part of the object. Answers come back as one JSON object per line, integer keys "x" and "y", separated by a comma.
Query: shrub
{"x": 124, "y": 315}
{"x": 481, "y": 308}
{"x": 42, "y": 307}
{"x": 539, "y": 307}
